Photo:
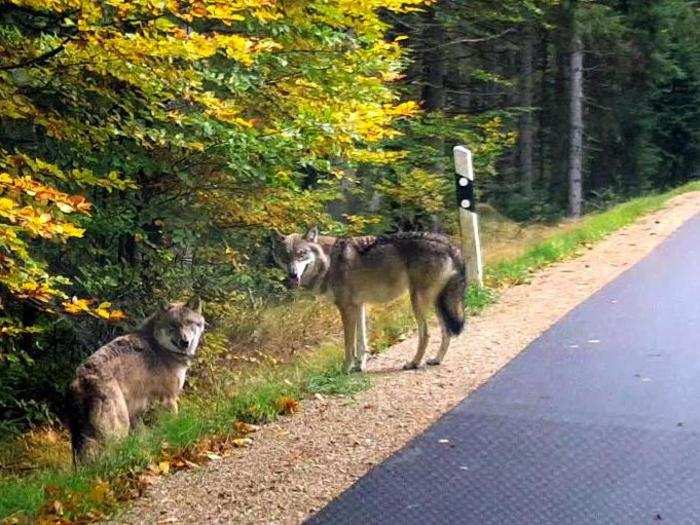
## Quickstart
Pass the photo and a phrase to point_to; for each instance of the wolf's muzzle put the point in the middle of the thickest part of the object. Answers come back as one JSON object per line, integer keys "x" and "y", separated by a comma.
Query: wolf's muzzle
{"x": 180, "y": 343}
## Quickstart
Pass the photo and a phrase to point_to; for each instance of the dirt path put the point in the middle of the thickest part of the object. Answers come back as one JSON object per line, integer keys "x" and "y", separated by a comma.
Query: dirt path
{"x": 299, "y": 463}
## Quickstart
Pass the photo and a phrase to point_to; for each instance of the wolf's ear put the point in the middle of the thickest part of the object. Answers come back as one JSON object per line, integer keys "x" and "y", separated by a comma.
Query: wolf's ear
{"x": 277, "y": 237}
{"x": 194, "y": 304}
{"x": 163, "y": 305}
{"x": 312, "y": 234}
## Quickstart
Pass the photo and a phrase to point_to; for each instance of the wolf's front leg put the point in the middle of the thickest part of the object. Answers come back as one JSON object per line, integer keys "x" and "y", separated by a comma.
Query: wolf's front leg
{"x": 361, "y": 354}
{"x": 171, "y": 405}
{"x": 349, "y": 314}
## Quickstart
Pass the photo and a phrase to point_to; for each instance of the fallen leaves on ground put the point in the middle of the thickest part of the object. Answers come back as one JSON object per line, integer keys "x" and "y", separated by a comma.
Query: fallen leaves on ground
{"x": 64, "y": 508}
{"x": 245, "y": 428}
{"x": 287, "y": 405}
{"x": 242, "y": 442}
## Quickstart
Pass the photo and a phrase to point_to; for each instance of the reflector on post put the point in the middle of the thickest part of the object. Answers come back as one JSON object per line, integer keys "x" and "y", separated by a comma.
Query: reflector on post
{"x": 465, "y": 193}
{"x": 468, "y": 220}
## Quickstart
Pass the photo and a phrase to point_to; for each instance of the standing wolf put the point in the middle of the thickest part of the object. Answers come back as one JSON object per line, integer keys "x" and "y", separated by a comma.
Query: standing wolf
{"x": 122, "y": 379}
{"x": 358, "y": 270}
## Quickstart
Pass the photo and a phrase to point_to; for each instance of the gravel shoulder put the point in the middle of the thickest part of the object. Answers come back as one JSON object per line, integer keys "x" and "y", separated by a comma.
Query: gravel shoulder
{"x": 299, "y": 463}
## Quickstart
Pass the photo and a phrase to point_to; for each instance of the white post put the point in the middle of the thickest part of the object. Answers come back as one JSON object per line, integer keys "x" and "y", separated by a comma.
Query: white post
{"x": 468, "y": 220}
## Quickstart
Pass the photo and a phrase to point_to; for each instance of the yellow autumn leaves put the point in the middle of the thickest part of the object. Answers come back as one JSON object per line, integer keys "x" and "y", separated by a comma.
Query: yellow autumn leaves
{"x": 145, "y": 59}
{"x": 102, "y": 310}
{"x": 35, "y": 210}
{"x": 35, "y": 219}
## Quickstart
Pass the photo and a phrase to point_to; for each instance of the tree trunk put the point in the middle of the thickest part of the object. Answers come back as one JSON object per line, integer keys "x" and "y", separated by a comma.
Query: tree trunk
{"x": 433, "y": 94}
{"x": 557, "y": 111}
{"x": 526, "y": 121}
{"x": 543, "y": 102}
{"x": 576, "y": 123}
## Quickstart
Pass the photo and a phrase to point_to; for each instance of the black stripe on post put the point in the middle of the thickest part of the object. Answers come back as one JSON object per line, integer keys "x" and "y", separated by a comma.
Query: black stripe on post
{"x": 465, "y": 193}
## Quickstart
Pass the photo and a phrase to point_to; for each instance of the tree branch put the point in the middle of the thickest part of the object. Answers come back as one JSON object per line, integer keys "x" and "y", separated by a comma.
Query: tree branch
{"x": 470, "y": 40}
{"x": 37, "y": 60}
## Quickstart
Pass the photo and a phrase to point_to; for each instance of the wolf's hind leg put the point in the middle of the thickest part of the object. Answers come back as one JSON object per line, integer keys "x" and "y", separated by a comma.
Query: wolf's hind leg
{"x": 349, "y": 314}
{"x": 444, "y": 345}
{"x": 361, "y": 350}
{"x": 420, "y": 306}
{"x": 89, "y": 451}
{"x": 110, "y": 415}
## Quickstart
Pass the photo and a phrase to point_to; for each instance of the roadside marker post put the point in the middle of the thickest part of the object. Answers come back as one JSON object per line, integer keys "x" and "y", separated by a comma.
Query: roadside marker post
{"x": 468, "y": 219}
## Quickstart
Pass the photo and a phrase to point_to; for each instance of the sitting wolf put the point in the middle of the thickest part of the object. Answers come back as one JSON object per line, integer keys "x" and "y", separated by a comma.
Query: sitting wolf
{"x": 358, "y": 270}
{"x": 117, "y": 383}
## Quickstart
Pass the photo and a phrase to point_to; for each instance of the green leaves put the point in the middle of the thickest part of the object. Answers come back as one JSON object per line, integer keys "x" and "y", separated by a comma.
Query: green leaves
{"x": 178, "y": 126}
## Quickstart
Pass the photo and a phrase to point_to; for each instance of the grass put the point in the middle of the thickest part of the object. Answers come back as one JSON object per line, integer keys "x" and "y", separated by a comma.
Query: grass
{"x": 335, "y": 382}
{"x": 208, "y": 417}
{"x": 479, "y": 298}
{"x": 567, "y": 243}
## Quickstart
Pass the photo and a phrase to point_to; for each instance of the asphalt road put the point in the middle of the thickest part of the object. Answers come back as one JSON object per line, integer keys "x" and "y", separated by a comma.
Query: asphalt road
{"x": 597, "y": 421}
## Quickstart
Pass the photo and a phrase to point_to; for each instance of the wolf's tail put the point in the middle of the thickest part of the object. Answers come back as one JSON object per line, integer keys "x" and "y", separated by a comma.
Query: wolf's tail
{"x": 76, "y": 419}
{"x": 450, "y": 301}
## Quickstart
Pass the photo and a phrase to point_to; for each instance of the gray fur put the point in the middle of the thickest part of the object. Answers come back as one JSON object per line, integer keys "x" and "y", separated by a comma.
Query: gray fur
{"x": 131, "y": 373}
{"x": 353, "y": 271}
